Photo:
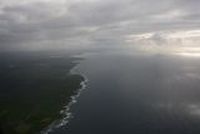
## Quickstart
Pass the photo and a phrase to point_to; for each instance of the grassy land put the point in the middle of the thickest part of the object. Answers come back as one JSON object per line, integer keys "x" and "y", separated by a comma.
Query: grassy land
{"x": 33, "y": 89}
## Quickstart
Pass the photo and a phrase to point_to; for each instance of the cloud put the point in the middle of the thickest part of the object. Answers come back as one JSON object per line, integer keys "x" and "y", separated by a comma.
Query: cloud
{"x": 43, "y": 24}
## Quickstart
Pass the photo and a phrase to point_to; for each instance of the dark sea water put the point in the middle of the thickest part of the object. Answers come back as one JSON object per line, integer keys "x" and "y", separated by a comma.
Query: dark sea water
{"x": 137, "y": 94}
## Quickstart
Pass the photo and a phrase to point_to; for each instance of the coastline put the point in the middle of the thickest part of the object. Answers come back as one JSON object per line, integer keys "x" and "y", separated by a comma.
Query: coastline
{"x": 45, "y": 88}
{"x": 66, "y": 113}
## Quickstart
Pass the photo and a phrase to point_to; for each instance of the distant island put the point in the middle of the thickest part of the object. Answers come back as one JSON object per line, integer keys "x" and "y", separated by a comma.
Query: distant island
{"x": 34, "y": 89}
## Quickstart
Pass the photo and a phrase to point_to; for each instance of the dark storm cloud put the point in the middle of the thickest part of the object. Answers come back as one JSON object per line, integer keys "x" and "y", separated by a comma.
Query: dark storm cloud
{"x": 77, "y": 23}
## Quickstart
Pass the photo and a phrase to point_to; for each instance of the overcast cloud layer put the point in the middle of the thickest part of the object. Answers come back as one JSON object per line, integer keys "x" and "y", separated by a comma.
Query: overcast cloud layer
{"x": 46, "y": 24}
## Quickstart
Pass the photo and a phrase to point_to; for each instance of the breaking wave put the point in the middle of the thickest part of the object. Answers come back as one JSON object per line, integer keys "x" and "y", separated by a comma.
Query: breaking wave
{"x": 66, "y": 111}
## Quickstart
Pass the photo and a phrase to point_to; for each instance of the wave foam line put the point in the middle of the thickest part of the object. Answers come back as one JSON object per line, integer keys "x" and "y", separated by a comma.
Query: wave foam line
{"x": 66, "y": 109}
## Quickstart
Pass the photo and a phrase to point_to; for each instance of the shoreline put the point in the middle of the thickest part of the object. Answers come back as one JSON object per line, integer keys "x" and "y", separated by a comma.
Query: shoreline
{"x": 48, "y": 84}
{"x": 66, "y": 113}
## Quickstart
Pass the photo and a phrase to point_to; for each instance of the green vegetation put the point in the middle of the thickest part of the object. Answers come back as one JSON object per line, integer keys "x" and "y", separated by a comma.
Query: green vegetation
{"x": 34, "y": 88}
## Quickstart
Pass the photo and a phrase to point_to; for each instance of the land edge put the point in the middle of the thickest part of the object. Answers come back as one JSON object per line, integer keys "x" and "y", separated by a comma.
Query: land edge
{"x": 66, "y": 110}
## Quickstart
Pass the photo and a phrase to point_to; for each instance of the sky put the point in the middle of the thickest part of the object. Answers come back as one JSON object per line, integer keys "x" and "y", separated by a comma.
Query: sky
{"x": 148, "y": 25}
